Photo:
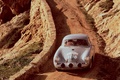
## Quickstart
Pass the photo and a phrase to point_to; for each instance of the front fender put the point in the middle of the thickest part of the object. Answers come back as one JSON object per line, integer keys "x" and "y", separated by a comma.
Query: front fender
{"x": 85, "y": 54}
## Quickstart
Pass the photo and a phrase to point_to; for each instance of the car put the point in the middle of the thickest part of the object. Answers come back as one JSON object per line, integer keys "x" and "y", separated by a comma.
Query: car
{"x": 75, "y": 52}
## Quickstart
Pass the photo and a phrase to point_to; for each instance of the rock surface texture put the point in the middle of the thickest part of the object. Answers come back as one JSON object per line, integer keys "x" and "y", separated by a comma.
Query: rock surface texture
{"x": 24, "y": 36}
{"x": 106, "y": 15}
{"x": 32, "y": 30}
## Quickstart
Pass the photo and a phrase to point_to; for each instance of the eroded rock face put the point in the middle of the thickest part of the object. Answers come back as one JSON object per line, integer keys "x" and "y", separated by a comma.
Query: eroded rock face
{"x": 106, "y": 17}
{"x": 21, "y": 35}
{"x": 10, "y": 8}
{"x": 16, "y": 35}
{"x": 10, "y": 32}
{"x": 17, "y": 6}
{"x": 5, "y": 11}
{"x": 106, "y": 14}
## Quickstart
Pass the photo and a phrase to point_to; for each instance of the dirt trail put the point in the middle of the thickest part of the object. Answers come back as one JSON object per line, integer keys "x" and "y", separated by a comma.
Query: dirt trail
{"x": 68, "y": 20}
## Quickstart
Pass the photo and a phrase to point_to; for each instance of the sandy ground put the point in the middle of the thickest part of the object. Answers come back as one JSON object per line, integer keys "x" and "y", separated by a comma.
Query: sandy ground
{"x": 69, "y": 19}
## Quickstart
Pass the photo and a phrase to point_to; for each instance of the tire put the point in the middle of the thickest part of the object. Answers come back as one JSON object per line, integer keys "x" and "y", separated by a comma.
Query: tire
{"x": 91, "y": 64}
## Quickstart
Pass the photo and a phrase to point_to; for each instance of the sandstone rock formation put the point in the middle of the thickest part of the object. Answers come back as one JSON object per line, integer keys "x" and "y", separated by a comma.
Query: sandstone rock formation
{"x": 10, "y": 8}
{"x": 20, "y": 36}
{"x": 27, "y": 28}
{"x": 106, "y": 14}
{"x": 24, "y": 36}
{"x": 5, "y": 11}
{"x": 17, "y": 6}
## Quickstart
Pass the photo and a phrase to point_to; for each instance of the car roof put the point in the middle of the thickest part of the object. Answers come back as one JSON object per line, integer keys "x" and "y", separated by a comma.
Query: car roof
{"x": 75, "y": 36}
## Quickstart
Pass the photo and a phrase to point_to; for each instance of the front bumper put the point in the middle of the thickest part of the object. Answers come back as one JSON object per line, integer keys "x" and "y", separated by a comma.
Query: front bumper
{"x": 68, "y": 67}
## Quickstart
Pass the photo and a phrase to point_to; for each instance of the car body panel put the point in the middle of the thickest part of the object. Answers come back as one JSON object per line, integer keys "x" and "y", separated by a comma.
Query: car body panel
{"x": 73, "y": 54}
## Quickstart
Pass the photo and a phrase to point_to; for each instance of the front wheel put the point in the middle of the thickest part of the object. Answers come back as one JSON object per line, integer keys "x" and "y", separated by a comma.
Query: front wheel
{"x": 90, "y": 65}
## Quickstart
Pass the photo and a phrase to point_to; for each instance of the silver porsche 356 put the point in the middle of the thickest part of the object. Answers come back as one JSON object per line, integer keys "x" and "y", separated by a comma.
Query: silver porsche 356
{"x": 75, "y": 52}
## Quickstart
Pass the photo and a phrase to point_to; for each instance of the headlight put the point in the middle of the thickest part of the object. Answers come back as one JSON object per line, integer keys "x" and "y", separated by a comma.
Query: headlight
{"x": 57, "y": 59}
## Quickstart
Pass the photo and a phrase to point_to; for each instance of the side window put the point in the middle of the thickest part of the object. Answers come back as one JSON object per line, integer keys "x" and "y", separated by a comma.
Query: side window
{"x": 89, "y": 42}
{"x": 82, "y": 42}
{"x": 69, "y": 43}
{"x": 76, "y": 42}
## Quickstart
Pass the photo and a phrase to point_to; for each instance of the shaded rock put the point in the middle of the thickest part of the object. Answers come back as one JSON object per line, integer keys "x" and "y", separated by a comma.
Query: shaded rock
{"x": 18, "y": 6}
{"x": 5, "y": 13}
{"x": 10, "y": 32}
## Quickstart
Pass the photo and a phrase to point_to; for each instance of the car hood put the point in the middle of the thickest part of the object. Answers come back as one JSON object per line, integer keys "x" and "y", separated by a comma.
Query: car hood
{"x": 80, "y": 52}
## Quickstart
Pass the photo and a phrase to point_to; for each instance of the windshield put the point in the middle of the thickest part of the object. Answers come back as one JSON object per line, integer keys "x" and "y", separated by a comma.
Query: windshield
{"x": 76, "y": 42}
